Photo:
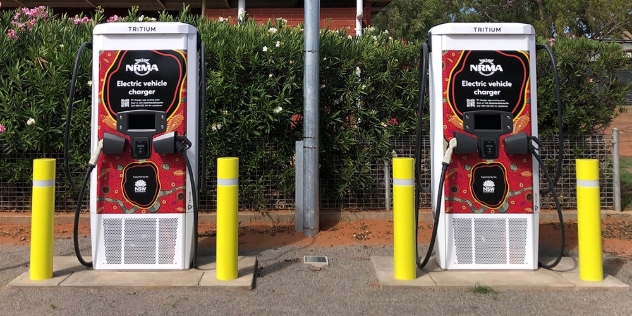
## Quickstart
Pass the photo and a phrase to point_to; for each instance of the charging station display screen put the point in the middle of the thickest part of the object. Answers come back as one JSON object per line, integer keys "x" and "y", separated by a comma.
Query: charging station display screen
{"x": 487, "y": 122}
{"x": 141, "y": 121}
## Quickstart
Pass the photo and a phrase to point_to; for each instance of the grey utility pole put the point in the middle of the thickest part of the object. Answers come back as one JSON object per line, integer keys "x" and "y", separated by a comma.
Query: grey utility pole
{"x": 311, "y": 85}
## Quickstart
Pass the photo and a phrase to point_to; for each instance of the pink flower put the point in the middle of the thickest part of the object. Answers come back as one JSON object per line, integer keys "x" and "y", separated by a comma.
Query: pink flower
{"x": 551, "y": 41}
{"x": 2, "y": 128}
{"x": 590, "y": 80}
{"x": 113, "y": 18}
{"x": 393, "y": 121}
{"x": 11, "y": 34}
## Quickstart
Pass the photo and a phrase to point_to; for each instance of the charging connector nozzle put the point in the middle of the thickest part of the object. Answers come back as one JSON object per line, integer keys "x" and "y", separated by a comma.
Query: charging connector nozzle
{"x": 448, "y": 152}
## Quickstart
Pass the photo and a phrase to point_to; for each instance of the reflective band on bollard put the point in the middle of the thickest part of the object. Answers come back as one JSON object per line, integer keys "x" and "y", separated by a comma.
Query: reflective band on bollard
{"x": 227, "y": 220}
{"x": 42, "y": 217}
{"x": 589, "y": 220}
{"x": 404, "y": 254}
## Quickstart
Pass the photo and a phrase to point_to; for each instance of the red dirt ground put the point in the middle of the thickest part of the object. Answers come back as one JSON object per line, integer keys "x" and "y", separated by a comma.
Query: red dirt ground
{"x": 617, "y": 235}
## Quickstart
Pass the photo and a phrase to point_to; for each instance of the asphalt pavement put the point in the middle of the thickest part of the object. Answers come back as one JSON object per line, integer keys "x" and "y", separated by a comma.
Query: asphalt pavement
{"x": 284, "y": 285}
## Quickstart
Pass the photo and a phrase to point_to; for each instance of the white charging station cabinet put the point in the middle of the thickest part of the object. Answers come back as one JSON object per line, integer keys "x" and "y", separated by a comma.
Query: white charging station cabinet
{"x": 482, "y": 78}
{"x": 141, "y": 208}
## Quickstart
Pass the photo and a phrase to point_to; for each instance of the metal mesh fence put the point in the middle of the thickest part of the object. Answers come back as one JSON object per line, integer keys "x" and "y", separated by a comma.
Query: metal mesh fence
{"x": 265, "y": 188}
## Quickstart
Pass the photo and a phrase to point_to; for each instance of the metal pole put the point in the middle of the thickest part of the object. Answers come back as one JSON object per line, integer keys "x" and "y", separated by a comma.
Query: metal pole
{"x": 310, "y": 118}
{"x": 616, "y": 175}
{"x": 203, "y": 8}
{"x": 241, "y": 11}
{"x": 359, "y": 16}
{"x": 298, "y": 184}
{"x": 387, "y": 186}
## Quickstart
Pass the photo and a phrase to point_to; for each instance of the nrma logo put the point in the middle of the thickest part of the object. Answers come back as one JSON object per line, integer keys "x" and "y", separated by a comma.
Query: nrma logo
{"x": 140, "y": 186}
{"x": 486, "y": 67}
{"x": 488, "y": 186}
{"x": 142, "y": 67}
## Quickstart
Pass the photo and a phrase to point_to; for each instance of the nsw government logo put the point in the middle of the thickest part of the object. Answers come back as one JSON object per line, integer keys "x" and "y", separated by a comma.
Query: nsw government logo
{"x": 140, "y": 186}
{"x": 488, "y": 186}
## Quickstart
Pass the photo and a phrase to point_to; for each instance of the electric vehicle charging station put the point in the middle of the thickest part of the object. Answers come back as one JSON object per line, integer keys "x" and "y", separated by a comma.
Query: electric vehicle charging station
{"x": 145, "y": 147}
{"x": 483, "y": 95}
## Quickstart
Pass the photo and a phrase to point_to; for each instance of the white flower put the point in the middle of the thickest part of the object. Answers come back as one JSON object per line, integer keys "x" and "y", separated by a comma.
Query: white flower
{"x": 371, "y": 29}
{"x": 325, "y": 58}
{"x": 61, "y": 45}
{"x": 385, "y": 31}
{"x": 394, "y": 153}
{"x": 90, "y": 83}
{"x": 363, "y": 87}
{"x": 374, "y": 38}
{"x": 383, "y": 124}
{"x": 277, "y": 109}
{"x": 270, "y": 76}
{"x": 140, "y": 18}
{"x": 349, "y": 37}
{"x": 265, "y": 48}
{"x": 272, "y": 30}
{"x": 152, "y": 19}
{"x": 30, "y": 121}
{"x": 224, "y": 112}
{"x": 322, "y": 86}
{"x": 221, "y": 19}
{"x": 216, "y": 127}
{"x": 358, "y": 72}
{"x": 278, "y": 44}
{"x": 390, "y": 38}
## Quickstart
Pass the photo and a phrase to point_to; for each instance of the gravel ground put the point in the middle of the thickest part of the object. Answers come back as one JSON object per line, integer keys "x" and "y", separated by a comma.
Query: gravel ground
{"x": 284, "y": 285}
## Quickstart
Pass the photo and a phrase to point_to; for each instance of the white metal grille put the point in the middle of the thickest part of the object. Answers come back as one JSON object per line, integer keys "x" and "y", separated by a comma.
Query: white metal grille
{"x": 490, "y": 241}
{"x": 490, "y": 245}
{"x": 517, "y": 240}
{"x": 463, "y": 240}
{"x": 167, "y": 240}
{"x": 112, "y": 228}
{"x": 140, "y": 241}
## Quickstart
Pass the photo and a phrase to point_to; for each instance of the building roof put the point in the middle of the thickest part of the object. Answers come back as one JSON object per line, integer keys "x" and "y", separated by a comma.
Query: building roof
{"x": 376, "y": 5}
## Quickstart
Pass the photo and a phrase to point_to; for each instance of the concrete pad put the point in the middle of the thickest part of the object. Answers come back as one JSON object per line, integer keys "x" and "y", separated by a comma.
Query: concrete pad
{"x": 246, "y": 268}
{"x": 568, "y": 268}
{"x": 386, "y": 275}
{"x": 67, "y": 271}
{"x": 63, "y": 267}
{"x": 107, "y": 278}
{"x": 502, "y": 280}
{"x": 609, "y": 282}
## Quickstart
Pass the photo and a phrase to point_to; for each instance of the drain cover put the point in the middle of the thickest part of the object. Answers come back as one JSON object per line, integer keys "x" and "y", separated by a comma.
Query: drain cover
{"x": 316, "y": 261}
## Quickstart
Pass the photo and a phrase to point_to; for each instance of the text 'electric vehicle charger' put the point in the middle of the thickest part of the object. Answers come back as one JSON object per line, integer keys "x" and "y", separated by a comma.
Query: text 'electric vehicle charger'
{"x": 146, "y": 153}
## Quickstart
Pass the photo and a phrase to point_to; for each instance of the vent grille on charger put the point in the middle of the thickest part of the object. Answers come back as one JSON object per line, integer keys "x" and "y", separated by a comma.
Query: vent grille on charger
{"x": 488, "y": 244}
{"x": 133, "y": 241}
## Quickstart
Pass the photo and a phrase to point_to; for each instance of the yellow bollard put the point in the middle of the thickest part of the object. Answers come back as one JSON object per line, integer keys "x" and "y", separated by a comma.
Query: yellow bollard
{"x": 42, "y": 217}
{"x": 589, "y": 220}
{"x": 404, "y": 254}
{"x": 227, "y": 221}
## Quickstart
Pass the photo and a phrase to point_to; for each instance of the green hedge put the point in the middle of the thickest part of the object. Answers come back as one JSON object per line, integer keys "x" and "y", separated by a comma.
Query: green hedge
{"x": 254, "y": 87}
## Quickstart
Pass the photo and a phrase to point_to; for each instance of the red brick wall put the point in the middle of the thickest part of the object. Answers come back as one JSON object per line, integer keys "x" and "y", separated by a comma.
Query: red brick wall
{"x": 334, "y": 18}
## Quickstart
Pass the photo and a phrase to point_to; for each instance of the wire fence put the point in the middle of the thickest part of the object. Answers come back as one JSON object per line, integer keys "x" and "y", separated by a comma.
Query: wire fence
{"x": 261, "y": 191}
